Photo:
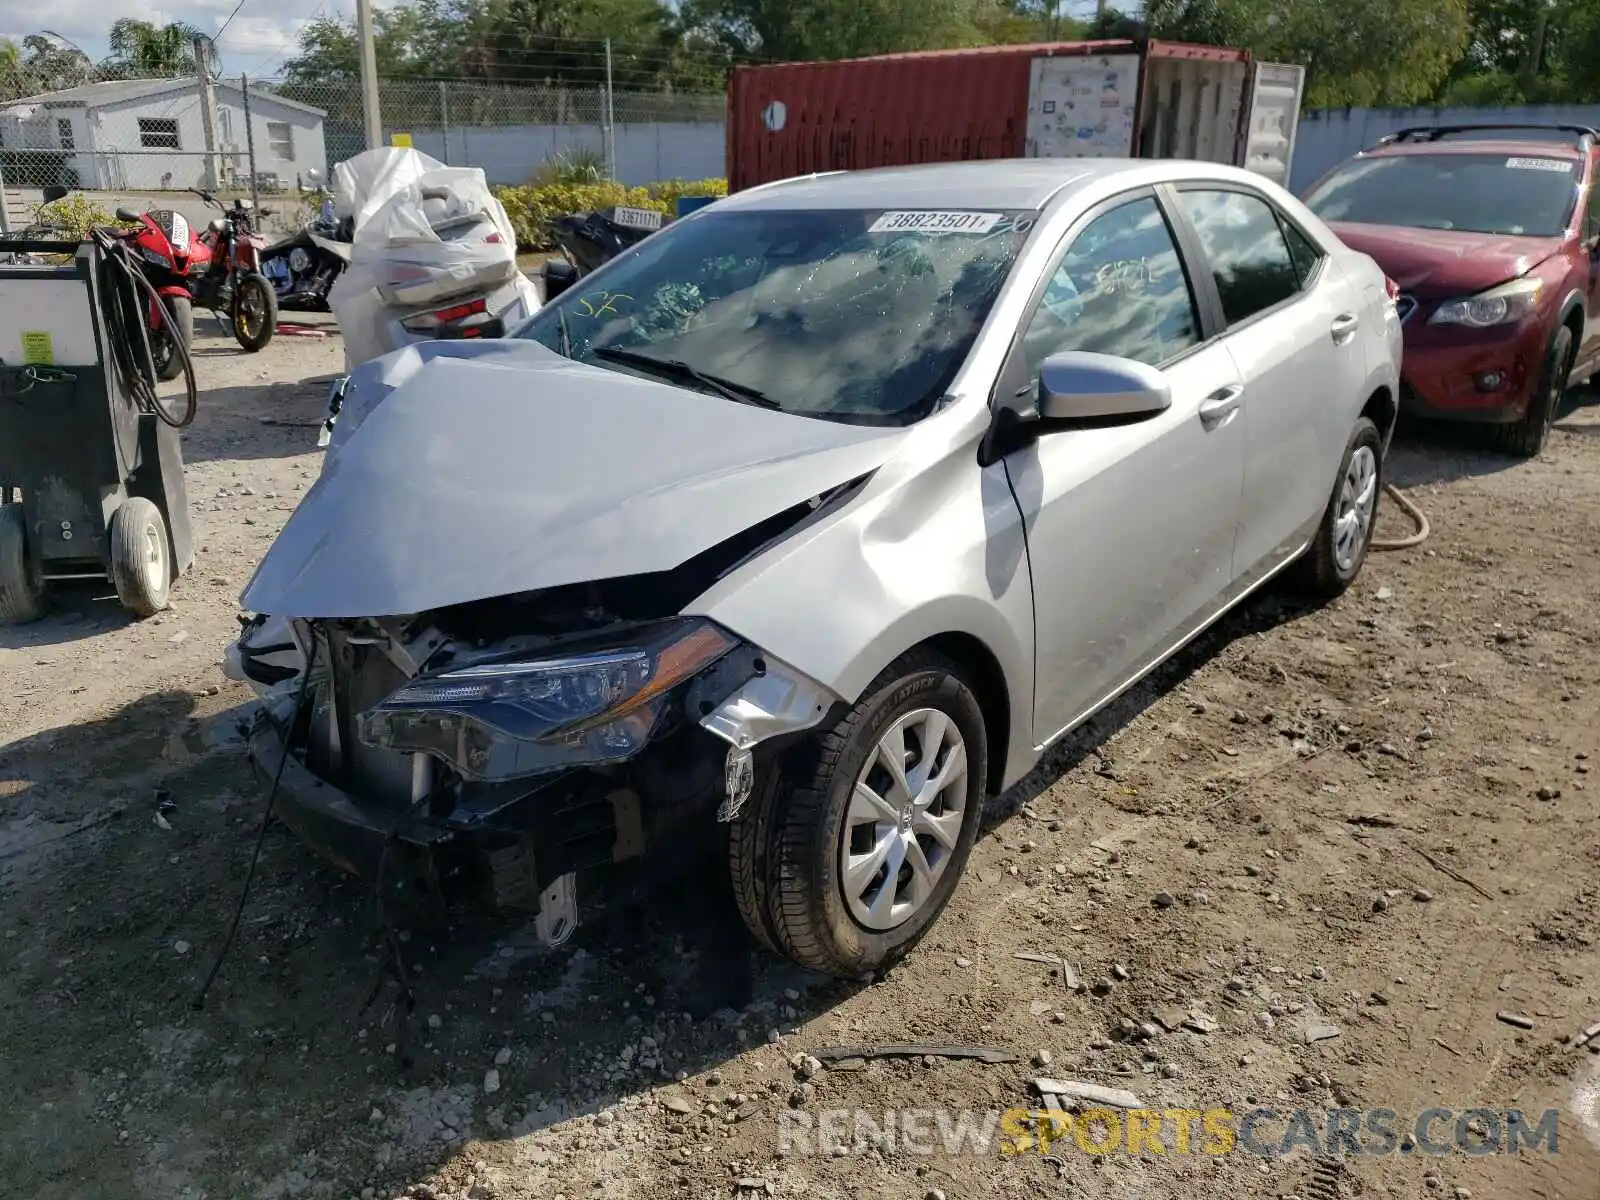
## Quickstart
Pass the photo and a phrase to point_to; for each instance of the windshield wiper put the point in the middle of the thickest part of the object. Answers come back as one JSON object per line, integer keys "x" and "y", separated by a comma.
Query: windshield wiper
{"x": 566, "y": 334}
{"x": 677, "y": 369}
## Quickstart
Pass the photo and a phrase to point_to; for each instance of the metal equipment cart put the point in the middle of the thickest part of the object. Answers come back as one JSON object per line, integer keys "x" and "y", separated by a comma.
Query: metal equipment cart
{"x": 91, "y": 483}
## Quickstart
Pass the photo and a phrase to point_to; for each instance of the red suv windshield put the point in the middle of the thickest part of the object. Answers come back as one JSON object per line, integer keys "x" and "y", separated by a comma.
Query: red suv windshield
{"x": 1529, "y": 194}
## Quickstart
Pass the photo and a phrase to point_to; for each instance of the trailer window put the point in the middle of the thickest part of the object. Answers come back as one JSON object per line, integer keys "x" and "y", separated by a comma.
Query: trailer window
{"x": 158, "y": 133}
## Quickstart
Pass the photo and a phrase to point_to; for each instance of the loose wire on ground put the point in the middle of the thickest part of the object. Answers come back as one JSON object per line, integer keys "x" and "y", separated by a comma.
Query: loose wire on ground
{"x": 261, "y": 834}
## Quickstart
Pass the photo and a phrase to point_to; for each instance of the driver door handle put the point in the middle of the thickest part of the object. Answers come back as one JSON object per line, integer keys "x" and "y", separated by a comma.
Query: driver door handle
{"x": 1221, "y": 404}
{"x": 1344, "y": 327}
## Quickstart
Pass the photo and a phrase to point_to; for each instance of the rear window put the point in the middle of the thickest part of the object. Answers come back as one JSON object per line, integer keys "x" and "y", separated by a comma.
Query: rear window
{"x": 1528, "y": 194}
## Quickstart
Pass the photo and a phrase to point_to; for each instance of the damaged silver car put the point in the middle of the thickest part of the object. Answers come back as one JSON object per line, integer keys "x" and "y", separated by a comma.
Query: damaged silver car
{"x": 804, "y": 526}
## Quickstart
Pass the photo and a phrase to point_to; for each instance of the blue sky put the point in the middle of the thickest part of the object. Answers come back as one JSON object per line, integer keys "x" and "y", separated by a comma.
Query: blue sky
{"x": 256, "y": 41}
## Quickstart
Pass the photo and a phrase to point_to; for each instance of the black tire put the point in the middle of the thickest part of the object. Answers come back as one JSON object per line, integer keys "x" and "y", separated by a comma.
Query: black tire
{"x": 784, "y": 848}
{"x": 141, "y": 557}
{"x": 254, "y": 312}
{"x": 1319, "y": 571}
{"x": 24, "y": 595}
{"x": 1526, "y": 438}
{"x": 180, "y": 318}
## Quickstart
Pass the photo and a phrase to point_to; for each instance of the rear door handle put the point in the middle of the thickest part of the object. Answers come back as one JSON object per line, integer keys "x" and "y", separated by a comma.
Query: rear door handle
{"x": 1344, "y": 327}
{"x": 1221, "y": 404}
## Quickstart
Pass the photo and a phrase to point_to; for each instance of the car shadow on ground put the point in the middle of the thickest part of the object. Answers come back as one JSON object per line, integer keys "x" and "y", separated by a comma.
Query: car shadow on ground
{"x": 111, "y": 928}
{"x": 79, "y": 609}
{"x": 1427, "y": 452}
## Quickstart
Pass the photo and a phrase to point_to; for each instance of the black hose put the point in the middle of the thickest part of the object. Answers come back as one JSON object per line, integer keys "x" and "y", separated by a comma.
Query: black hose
{"x": 129, "y": 339}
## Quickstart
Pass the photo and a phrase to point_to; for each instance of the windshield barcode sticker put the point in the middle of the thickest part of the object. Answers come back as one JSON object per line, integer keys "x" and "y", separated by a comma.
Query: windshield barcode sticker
{"x": 637, "y": 218}
{"x": 1558, "y": 166}
{"x": 934, "y": 222}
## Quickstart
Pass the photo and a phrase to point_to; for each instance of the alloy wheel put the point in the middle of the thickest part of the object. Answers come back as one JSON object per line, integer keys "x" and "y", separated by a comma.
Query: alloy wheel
{"x": 1358, "y": 497}
{"x": 904, "y": 819}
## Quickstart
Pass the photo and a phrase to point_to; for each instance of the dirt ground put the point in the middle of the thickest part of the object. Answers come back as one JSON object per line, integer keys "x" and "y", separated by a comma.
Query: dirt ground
{"x": 1375, "y": 817}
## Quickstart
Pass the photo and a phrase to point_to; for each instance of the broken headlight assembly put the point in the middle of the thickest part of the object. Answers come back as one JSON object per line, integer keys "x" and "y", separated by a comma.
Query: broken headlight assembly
{"x": 509, "y": 718}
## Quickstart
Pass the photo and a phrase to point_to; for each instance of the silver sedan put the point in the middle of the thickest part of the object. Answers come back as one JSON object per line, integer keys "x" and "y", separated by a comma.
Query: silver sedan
{"x": 812, "y": 521}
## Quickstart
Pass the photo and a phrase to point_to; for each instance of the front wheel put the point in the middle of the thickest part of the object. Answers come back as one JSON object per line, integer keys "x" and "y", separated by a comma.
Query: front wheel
{"x": 177, "y": 326}
{"x": 1525, "y": 438}
{"x": 845, "y": 856}
{"x": 254, "y": 311}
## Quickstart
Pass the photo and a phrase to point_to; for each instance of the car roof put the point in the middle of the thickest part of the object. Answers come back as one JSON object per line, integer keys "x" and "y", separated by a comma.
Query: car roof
{"x": 1507, "y": 146}
{"x": 1007, "y": 183}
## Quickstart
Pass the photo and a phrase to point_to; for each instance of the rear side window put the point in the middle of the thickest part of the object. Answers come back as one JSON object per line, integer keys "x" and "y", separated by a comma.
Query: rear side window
{"x": 1302, "y": 252}
{"x": 1250, "y": 259}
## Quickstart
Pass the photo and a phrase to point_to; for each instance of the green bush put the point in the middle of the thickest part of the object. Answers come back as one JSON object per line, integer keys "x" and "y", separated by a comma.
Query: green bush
{"x": 532, "y": 209}
{"x": 74, "y": 214}
{"x": 670, "y": 189}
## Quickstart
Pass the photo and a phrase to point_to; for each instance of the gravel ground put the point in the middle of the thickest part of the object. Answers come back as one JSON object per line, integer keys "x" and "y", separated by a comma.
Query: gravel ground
{"x": 1369, "y": 819}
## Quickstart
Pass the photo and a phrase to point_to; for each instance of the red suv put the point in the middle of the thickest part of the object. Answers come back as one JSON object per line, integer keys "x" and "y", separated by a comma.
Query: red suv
{"x": 1495, "y": 249}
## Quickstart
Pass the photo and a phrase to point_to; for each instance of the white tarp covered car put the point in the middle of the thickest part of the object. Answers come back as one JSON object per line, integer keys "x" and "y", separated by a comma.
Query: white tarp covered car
{"x": 433, "y": 256}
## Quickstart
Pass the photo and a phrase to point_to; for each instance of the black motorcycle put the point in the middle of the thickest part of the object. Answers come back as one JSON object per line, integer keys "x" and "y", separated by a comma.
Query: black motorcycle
{"x": 304, "y": 265}
{"x": 589, "y": 240}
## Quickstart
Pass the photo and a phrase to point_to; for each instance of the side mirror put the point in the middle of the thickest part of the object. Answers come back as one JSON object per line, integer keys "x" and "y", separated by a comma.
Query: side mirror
{"x": 54, "y": 192}
{"x": 558, "y": 277}
{"x": 1079, "y": 386}
{"x": 127, "y": 214}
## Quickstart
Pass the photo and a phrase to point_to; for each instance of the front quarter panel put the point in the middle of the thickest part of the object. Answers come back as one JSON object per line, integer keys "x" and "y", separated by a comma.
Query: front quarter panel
{"x": 933, "y": 546}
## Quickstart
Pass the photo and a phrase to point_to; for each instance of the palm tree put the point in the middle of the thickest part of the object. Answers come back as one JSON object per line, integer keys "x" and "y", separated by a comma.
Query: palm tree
{"x": 140, "y": 48}
{"x": 53, "y": 63}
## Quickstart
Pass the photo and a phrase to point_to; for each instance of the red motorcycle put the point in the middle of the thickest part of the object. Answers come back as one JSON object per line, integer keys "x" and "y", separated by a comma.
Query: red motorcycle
{"x": 219, "y": 270}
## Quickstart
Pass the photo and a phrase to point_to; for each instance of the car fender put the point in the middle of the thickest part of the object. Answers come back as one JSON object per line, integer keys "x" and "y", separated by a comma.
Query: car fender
{"x": 927, "y": 550}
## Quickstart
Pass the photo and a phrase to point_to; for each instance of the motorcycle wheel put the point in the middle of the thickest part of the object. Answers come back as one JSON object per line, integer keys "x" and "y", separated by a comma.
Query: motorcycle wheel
{"x": 180, "y": 326}
{"x": 254, "y": 311}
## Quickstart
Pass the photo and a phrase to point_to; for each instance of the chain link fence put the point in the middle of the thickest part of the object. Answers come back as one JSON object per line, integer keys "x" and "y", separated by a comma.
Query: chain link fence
{"x": 233, "y": 134}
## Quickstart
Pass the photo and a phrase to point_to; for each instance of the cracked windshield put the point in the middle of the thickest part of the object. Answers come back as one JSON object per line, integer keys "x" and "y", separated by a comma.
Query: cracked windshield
{"x": 857, "y": 315}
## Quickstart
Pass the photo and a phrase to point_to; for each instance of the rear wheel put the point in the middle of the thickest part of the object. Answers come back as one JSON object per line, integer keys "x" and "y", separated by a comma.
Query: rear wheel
{"x": 141, "y": 567}
{"x": 1526, "y": 438}
{"x": 254, "y": 311}
{"x": 23, "y": 595}
{"x": 179, "y": 325}
{"x": 845, "y": 859}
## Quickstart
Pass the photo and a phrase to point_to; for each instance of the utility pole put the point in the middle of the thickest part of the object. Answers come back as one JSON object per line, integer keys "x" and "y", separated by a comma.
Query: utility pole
{"x": 369, "y": 75}
{"x": 208, "y": 111}
{"x": 609, "y": 116}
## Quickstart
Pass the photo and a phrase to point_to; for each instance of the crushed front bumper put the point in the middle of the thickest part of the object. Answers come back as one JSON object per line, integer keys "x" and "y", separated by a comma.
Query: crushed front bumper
{"x": 339, "y": 829}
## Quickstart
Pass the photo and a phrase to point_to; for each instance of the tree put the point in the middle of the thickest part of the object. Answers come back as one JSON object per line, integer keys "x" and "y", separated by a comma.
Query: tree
{"x": 50, "y": 63}
{"x": 1360, "y": 52}
{"x": 143, "y": 49}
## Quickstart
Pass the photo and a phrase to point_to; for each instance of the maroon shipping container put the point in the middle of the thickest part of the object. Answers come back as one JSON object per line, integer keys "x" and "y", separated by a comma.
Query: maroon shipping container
{"x": 1058, "y": 99}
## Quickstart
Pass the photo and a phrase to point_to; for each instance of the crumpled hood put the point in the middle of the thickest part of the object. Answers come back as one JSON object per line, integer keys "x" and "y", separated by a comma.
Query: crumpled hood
{"x": 517, "y": 469}
{"x": 1440, "y": 264}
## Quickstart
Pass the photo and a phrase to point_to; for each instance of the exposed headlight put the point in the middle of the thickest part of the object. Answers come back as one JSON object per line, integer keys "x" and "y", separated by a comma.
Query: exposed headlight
{"x": 155, "y": 256}
{"x": 1498, "y": 306}
{"x": 502, "y": 720}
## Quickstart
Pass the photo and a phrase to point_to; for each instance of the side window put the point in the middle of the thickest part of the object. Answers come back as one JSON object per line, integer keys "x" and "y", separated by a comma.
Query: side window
{"x": 1119, "y": 289}
{"x": 1302, "y": 252}
{"x": 1249, "y": 257}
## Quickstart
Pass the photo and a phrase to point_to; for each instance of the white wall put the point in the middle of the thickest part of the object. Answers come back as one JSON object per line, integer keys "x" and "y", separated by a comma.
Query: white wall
{"x": 116, "y": 129}
{"x": 645, "y": 152}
